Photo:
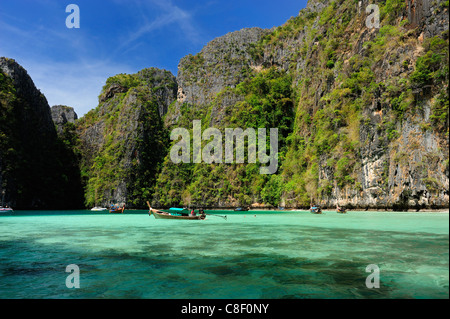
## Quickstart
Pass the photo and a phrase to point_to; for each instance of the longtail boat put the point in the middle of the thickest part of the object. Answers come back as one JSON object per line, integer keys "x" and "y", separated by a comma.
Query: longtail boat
{"x": 6, "y": 210}
{"x": 117, "y": 210}
{"x": 316, "y": 210}
{"x": 163, "y": 215}
{"x": 175, "y": 213}
{"x": 341, "y": 210}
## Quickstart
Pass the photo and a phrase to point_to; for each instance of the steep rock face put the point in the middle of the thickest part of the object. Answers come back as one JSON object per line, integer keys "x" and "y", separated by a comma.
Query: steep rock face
{"x": 123, "y": 140}
{"x": 371, "y": 126}
{"x": 398, "y": 159}
{"x": 61, "y": 115}
{"x": 26, "y": 90}
{"x": 317, "y": 5}
{"x": 409, "y": 166}
{"x": 222, "y": 63}
{"x": 35, "y": 165}
{"x": 362, "y": 115}
{"x": 219, "y": 86}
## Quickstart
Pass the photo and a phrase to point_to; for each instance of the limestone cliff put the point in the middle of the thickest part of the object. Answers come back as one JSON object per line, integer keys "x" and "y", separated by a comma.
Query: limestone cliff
{"x": 370, "y": 112}
{"x": 399, "y": 157}
{"x": 61, "y": 115}
{"x": 362, "y": 113}
{"x": 223, "y": 63}
{"x": 36, "y": 167}
{"x": 123, "y": 140}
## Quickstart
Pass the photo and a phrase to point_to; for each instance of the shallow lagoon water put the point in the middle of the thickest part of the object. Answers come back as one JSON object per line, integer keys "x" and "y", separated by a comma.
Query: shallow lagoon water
{"x": 252, "y": 255}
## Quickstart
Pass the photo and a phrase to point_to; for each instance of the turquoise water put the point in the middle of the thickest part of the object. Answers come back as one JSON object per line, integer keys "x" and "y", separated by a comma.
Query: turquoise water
{"x": 253, "y": 255}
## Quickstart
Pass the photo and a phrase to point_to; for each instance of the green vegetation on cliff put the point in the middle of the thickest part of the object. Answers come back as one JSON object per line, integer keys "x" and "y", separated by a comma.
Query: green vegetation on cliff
{"x": 265, "y": 101}
{"x": 357, "y": 97}
{"x": 123, "y": 141}
{"x": 37, "y": 170}
{"x": 362, "y": 115}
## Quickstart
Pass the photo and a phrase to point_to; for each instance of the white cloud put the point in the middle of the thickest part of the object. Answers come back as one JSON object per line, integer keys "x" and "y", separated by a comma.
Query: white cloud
{"x": 67, "y": 66}
{"x": 170, "y": 14}
{"x": 73, "y": 77}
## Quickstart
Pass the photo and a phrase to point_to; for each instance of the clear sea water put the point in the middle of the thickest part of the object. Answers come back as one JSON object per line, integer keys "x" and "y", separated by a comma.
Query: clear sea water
{"x": 252, "y": 255}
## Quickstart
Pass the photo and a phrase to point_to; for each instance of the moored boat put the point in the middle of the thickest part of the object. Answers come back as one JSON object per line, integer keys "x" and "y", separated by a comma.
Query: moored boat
{"x": 115, "y": 209}
{"x": 174, "y": 213}
{"x": 3, "y": 209}
{"x": 241, "y": 209}
{"x": 165, "y": 215}
{"x": 6, "y": 209}
{"x": 341, "y": 210}
{"x": 316, "y": 210}
{"x": 98, "y": 209}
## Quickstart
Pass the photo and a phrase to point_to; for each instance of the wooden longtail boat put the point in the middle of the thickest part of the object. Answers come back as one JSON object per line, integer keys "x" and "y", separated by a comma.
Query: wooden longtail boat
{"x": 117, "y": 210}
{"x": 316, "y": 210}
{"x": 164, "y": 215}
{"x": 341, "y": 210}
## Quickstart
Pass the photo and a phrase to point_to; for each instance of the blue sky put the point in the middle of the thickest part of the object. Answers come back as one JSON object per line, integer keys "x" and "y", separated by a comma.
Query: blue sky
{"x": 70, "y": 66}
